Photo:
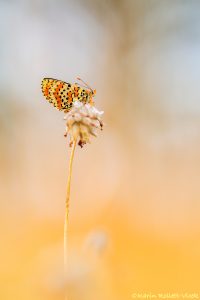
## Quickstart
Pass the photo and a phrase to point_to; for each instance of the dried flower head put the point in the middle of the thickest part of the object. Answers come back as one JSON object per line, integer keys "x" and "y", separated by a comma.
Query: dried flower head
{"x": 81, "y": 122}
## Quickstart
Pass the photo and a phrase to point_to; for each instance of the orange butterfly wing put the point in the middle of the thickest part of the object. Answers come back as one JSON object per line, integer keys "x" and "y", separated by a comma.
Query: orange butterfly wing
{"x": 62, "y": 94}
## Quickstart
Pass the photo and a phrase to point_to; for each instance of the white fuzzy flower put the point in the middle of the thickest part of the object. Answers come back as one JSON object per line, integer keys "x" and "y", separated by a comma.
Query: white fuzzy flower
{"x": 81, "y": 122}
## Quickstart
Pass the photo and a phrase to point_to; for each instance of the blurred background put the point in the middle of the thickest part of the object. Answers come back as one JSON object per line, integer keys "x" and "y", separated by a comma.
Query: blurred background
{"x": 134, "y": 214}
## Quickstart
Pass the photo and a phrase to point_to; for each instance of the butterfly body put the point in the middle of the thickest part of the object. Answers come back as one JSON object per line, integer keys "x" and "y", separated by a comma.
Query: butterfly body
{"x": 62, "y": 94}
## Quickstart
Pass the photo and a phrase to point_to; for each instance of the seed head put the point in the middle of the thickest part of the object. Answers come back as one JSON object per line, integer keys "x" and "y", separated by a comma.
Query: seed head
{"x": 81, "y": 122}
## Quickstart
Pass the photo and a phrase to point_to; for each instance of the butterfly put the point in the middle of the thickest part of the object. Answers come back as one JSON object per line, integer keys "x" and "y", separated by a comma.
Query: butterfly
{"x": 62, "y": 94}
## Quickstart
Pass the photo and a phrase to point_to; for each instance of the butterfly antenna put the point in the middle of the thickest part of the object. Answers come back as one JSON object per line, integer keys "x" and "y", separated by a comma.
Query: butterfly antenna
{"x": 87, "y": 85}
{"x": 77, "y": 83}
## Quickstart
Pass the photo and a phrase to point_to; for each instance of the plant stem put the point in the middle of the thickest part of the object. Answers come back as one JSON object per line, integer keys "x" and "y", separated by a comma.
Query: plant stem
{"x": 67, "y": 215}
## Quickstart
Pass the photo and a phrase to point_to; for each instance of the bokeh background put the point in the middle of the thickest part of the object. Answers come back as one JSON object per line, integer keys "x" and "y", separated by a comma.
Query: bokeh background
{"x": 134, "y": 214}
